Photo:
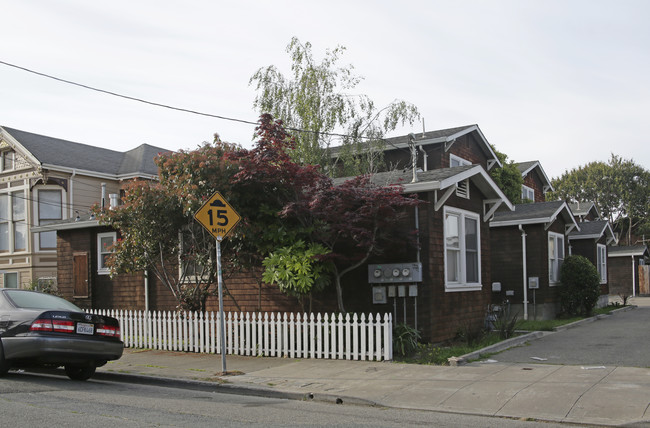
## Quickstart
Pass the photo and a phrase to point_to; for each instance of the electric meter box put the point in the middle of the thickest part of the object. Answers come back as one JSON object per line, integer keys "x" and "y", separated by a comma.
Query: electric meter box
{"x": 394, "y": 273}
{"x": 533, "y": 282}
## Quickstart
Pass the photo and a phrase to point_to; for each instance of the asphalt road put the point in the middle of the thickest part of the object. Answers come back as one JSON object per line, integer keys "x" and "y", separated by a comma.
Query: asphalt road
{"x": 28, "y": 399}
{"x": 621, "y": 339}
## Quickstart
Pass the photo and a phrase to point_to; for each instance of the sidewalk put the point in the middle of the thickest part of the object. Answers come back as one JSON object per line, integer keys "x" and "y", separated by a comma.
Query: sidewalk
{"x": 587, "y": 395}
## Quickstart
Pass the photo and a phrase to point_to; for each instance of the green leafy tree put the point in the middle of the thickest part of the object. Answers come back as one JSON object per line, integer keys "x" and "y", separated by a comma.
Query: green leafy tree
{"x": 620, "y": 188}
{"x": 507, "y": 177}
{"x": 316, "y": 99}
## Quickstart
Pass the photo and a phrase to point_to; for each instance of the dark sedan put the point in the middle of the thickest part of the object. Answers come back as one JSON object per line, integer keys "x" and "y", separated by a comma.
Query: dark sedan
{"x": 38, "y": 329}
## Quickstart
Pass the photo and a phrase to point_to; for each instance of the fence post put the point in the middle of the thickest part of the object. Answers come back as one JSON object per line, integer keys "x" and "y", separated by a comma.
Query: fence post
{"x": 363, "y": 326}
{"x": 355, "y": 337}
{"x": 388, "y": 337}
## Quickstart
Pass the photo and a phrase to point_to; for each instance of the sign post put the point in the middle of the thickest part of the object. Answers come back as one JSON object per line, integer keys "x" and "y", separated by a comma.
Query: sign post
{"x": 218, "y": 218}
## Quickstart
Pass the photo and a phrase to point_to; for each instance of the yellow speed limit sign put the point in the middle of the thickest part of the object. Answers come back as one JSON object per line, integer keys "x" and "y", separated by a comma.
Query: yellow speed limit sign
{"x": 217, "y": 216}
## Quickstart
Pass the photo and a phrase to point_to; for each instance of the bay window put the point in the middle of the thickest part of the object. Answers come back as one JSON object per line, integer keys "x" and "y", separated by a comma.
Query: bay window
{"x": 50, "y": 209}
{"x": 13, "y": 224}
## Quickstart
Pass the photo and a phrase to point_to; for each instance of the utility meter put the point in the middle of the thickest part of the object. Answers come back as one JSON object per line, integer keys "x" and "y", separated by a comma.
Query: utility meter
{"x": 395, "y": 273}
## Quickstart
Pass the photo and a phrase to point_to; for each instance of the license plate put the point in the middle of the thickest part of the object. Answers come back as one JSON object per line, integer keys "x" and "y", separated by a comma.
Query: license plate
{"x": 85, "y": 328}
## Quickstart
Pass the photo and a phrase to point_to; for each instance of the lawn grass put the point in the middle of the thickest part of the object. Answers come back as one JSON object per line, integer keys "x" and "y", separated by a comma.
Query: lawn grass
{"x": 438, "y": 354}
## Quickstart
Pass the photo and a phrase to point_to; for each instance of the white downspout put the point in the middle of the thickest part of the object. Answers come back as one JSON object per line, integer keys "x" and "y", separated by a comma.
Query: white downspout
{"x": 523, "y": 250}
{"x": 633, "y": 279}
{"x": 146, "y": 290}
{"x": 71, "y": 195}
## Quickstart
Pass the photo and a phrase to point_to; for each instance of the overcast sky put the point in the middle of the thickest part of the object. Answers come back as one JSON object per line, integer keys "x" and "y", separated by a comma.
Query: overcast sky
{"x": 561, "y": 81}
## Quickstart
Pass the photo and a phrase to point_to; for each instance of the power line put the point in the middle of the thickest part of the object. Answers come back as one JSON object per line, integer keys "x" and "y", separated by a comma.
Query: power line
{"x": 125, "y": 96}
{"x": 216, "y": 116}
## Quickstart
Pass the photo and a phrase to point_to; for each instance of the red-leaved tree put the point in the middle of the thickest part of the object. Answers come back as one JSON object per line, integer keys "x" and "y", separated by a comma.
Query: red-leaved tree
{"x": 353, "y": 221}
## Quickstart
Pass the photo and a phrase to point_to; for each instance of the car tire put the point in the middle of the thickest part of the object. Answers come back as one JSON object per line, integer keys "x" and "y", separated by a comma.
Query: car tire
{"x": 80, "y": 373}
{"x": 4, "y": 364}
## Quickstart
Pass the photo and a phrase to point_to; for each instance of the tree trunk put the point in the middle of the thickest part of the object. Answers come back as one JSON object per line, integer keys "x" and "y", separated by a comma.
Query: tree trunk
{"x": 339, "y": 292}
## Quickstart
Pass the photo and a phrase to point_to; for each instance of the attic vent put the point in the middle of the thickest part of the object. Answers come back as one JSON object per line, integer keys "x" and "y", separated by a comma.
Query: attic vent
{"x": 462, "y": 189}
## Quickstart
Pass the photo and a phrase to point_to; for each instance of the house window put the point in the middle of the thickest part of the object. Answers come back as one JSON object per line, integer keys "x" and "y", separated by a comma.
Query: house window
{"x": 10, "y": 279}
{"x": 189, "y": 262}
{"x": 105, "y": 243}
{"x": 555, "y": 256}
{"x": 50, "y": 209}
{"x": 602, "y": 262}
{"x": 7, "y": 160}
{"x": 462, "y": 250}
{"x": 457, "y": 161}
{"x": 527, "y": 193}
{"x": 13, "y": 225}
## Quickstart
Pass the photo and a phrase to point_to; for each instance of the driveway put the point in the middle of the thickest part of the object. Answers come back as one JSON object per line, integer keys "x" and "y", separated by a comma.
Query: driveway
{"x": 621, "y": 339}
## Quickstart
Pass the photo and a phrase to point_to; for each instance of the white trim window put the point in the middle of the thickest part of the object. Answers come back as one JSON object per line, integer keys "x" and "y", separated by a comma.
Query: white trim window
{"x": 13, "y": 221}
{"x": 105, "y": 243}
{"x": 7, "y": 160}
{"x": 527, "y": 193}
{"x": 50, "y": 210}
{"x": 555, "y": 257}
{"x": 601, "y": 262}
{"x": 462, "y": 237}
{"x": 10, "y": 280}
{"x": 191, "y": 267}
{"x": 457, "y": 161}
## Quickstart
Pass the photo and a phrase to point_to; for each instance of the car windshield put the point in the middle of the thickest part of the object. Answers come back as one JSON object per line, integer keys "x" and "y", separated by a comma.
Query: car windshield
{"x": 29, "y": 300}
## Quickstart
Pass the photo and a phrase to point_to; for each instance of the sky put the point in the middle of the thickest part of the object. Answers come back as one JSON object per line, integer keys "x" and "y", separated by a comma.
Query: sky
{"x": 564, "y": 82}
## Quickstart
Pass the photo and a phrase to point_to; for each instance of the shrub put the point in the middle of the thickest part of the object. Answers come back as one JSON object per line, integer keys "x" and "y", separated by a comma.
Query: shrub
{"x": 405, "y": 340}
{"x": 580, "y": 286}
{"x": 505, "y": 323}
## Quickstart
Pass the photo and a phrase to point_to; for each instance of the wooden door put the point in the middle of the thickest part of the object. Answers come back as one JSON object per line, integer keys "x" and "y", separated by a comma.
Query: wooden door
{"x": 80, "y": 274}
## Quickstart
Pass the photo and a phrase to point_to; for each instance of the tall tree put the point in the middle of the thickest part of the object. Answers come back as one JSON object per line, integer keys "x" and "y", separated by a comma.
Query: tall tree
{"x": 316, "y": 101}
{"x": 156, "y": 225}
{"x": 620, "y": 188}
{"x": 507, "y": 177}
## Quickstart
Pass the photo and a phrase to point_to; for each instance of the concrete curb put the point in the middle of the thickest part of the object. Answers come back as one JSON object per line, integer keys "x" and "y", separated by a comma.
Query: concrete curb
{"x": 229, "y": 388}
{"x": 520, "y": 340}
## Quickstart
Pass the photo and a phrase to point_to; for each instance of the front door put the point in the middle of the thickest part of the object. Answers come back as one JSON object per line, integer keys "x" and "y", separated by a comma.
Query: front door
{"x": 80, "y": 274}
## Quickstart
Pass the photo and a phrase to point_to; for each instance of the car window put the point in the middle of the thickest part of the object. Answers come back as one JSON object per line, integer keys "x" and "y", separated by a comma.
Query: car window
{"x": 29, "y": 300}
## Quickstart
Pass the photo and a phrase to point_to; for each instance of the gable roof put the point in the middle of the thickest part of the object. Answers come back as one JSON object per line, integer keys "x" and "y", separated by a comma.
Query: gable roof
{"x": 446, "y": 136}
{"x": 582, "y": 209}
{"x": 59, "y": 154}
{"x": 439, "y": 179}
{"x": 627, "y": 251}
{"x": 537, "y": 213}
{"x": 526, "y": 167}
{"x": 593, "y": 230}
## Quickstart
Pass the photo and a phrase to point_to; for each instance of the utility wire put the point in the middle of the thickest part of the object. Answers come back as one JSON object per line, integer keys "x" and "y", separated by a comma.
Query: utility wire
{"x": 115, "y": 94}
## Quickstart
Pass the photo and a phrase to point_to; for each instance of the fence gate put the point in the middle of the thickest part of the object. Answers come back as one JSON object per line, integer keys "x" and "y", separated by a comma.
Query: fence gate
{"x": 644, "y": 280}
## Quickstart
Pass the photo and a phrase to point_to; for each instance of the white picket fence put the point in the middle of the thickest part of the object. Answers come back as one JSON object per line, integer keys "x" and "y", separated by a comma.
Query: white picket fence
{"x": 349, "y": 337}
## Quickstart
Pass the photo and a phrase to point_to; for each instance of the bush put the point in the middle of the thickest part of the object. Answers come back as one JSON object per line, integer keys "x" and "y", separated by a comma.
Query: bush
{"x": 580, "y": 286}
{"x": 405, "y": 340}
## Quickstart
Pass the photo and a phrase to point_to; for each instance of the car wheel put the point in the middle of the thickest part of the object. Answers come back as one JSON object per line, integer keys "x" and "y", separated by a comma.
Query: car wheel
{"x": 80, "y": 373}
{"x": 4, "y": 365}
